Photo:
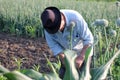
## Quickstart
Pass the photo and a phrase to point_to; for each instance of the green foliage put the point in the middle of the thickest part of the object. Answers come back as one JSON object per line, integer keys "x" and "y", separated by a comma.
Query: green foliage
{"x": 16, "y": 15}
{"x": 36, "y": 67}
{"x": 18, "y": 62}
{"x": 3, "y": 70}
{"x": 104, "y": 0}
{"x": 71, "y": 71}
{"x": 30, "y": 31}
{"x": 32, "y": 74}
{"x": 15, "y": 75}
{"x": 102, "y": 71}
{"x": 115, "y": 69}
{"x": 3, "y": 78}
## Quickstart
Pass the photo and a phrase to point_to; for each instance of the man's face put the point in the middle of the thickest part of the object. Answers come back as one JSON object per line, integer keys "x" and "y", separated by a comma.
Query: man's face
{"x": 62, "y": 25}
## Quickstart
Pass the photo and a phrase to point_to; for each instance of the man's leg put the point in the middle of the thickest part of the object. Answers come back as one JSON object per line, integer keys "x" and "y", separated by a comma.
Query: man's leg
{"x": 62, "y": 67}
{"x": 62, "y": 71}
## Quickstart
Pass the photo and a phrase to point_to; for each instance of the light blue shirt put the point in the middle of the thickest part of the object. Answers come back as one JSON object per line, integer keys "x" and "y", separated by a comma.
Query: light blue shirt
{"x": 60, "y": 41}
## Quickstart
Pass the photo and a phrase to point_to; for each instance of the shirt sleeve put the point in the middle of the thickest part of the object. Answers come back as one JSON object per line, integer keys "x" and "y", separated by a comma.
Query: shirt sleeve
{"x": 53, "y": 45}
{"x": 84, "y": 31}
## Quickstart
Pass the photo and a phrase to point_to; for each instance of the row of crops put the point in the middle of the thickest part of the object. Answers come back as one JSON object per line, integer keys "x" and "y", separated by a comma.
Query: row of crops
{"x": 21, "y": 18}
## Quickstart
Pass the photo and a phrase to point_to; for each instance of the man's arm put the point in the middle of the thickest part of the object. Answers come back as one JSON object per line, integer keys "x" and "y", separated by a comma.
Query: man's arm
{"x": 80, "y": 58}
{"x": 87, "y": 37}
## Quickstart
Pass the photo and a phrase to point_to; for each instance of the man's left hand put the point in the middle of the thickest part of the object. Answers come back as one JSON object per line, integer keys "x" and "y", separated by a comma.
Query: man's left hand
{"x": 79, "y": 61}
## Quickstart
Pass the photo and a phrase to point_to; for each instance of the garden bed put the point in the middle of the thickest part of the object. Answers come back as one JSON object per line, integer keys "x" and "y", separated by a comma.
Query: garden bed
{"x": 28, "y": 51}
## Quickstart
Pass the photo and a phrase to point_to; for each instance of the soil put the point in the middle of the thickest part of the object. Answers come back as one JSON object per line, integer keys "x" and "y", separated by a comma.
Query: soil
{"x": 29, "y": 51}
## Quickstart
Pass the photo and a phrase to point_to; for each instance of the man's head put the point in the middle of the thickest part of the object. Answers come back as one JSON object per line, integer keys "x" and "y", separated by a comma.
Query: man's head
{"x": 51, "y": 19}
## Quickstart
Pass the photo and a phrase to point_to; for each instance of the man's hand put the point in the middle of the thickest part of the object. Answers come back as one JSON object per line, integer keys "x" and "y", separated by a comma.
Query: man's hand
{"x": 62, "y": 57}
{"x": 79, "y": 61}
{"x": 80, "y": 58}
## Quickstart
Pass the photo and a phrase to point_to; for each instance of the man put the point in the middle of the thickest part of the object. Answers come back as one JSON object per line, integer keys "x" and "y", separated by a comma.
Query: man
{"x": 57, "y": 24}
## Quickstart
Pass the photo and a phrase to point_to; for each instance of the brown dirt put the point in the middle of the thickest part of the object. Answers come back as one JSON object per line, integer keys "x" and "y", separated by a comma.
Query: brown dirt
{"x": 30, "y": 51}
